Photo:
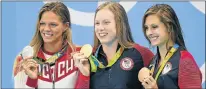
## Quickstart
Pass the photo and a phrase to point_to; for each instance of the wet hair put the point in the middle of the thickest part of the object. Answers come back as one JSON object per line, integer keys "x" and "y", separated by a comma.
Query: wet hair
{"x": 169, "y": 18}
{"x": 124, "y": 34}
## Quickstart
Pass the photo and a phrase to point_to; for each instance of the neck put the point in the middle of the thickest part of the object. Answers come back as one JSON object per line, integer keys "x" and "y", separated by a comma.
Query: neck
{"x": 53, "y": 47}
{"x": 163, "y": 49}
{"x": 110, "y": 49}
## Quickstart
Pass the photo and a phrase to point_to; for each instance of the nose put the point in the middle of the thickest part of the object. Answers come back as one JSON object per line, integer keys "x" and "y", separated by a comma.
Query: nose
{"x": 148, "y": 32}
{"x": 47, "y": 27}
{"x": 100, "y": 27}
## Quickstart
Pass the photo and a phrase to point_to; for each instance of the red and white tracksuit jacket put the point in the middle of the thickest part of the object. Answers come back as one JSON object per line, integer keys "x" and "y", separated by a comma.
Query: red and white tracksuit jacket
{"x": 66, "y": 74}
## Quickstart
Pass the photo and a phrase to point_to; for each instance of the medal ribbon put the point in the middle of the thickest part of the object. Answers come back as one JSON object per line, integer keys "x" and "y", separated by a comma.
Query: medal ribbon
{"x": 50, "y": 60}
{"x": 96, "y": 63}
{"x": 53, "y": 58}
{"x": 162, "y": 65}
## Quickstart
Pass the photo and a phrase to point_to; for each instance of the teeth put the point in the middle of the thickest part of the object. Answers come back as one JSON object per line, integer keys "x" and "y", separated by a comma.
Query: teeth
{"x": 103, "y": 34}
{"x": 47, "y": 35}
{"x": 153, "y": 38}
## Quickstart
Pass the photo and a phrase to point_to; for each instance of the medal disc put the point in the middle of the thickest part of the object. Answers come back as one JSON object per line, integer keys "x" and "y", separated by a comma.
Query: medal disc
{"x": 27, "y": 52}
{"x": 143, "y": 73}
{"x": 87, "y": 50}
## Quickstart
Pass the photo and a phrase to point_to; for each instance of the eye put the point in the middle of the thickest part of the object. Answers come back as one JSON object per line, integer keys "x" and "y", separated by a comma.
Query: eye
{"x": 96, "y": 23}
{"x": 53, "y": 25}
{"x": 145, "y": 28}
{"x": 107, "y": 22}
{"x": 41, "y": 23}
{"x": 154, "y": 26}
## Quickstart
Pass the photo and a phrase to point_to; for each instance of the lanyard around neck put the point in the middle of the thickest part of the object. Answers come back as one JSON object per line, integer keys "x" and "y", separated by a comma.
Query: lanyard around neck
{"x": 50, "y": 60}
{"x": 168, "y": 56}
{"x": 56, "y": 56}
{"x": 96, "y": 63}
{"x": 53, "y": 58}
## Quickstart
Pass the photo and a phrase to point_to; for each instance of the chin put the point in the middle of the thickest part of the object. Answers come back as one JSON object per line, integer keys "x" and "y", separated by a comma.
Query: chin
{"x": 154, "y": 44}
{"x": 103, "y": 41}
{"x": 47, "y": 41}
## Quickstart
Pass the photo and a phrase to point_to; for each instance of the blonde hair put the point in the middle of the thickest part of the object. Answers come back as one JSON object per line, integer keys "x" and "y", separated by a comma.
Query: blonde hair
{"x": 59, "y": 9}
{"x": 62, "y": 11}
{"x": 124, "y": 35}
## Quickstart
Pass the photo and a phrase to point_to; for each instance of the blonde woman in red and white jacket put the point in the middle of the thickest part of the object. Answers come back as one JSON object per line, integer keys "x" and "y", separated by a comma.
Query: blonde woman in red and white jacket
{"x": 51, "y": 65}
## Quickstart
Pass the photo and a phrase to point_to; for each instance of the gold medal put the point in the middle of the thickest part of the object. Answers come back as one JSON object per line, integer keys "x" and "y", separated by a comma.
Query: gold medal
{"x": 87, "y": 50}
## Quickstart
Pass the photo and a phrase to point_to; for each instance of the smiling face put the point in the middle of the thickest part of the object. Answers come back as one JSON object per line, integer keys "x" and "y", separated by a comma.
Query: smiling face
{"x": 156, "y": 31}
{"x": 105, "y": 26}
{"x": 51, "y": 27}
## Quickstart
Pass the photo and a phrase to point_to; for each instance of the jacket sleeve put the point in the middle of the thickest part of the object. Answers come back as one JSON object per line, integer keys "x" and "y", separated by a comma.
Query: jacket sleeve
{"x": 32, "y": 82}
{"x": 16, "y": 65}
{"x": 18, "y": 76}
{"x": 189, "y": 75}
{"x": 21, "y": 80}
{"x": 146, "y": 54}
{"x": 82, "y": 81}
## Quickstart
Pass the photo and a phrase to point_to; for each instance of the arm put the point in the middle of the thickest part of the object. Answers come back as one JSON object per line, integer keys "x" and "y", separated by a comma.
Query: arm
{"x": 32, "y": 82}
{"x": 16, "y": 65}
{"x": 83, "y": 65}
{"x": 146, "y": 54}
{"x": 82, "y": 81}
{"x": 20, "y": 78}
{"x": 189, "y": 75}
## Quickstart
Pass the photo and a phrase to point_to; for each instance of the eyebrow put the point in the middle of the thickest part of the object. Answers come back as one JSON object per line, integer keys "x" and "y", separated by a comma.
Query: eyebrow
{"x": 103, "y": 19}
{"x": 49, "y": 22}
{"x": 106, "y": 20}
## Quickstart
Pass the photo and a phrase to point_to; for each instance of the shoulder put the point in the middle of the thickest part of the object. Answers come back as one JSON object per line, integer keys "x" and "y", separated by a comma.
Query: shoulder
{"x": 187, "y": 62}
{"x": 146, "y": 54}
{"x": 186, "y": 58}
{"x": 76, "y": 47}
{"x": 185, "y": 55}
{"x": 188, "y": 70}
{"x": 142, "y": 49}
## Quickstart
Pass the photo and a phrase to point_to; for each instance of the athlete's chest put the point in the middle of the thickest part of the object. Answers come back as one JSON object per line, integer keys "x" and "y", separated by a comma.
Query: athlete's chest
{"x": 63, "y": 67}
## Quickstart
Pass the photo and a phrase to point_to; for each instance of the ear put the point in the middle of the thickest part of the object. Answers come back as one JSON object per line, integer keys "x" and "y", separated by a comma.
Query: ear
{"x": 66, "y": 26}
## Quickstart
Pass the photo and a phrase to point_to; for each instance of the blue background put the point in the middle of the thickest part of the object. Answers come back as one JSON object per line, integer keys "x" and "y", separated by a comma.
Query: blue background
{"x": 19, "y": 21}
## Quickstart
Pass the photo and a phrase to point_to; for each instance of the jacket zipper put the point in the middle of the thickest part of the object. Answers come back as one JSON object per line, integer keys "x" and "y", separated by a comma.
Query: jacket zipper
{"x": 53, "y": 76}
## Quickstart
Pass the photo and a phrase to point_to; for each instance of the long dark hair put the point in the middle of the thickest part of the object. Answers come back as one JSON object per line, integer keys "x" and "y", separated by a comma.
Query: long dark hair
{"x": 167, "y": 16}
